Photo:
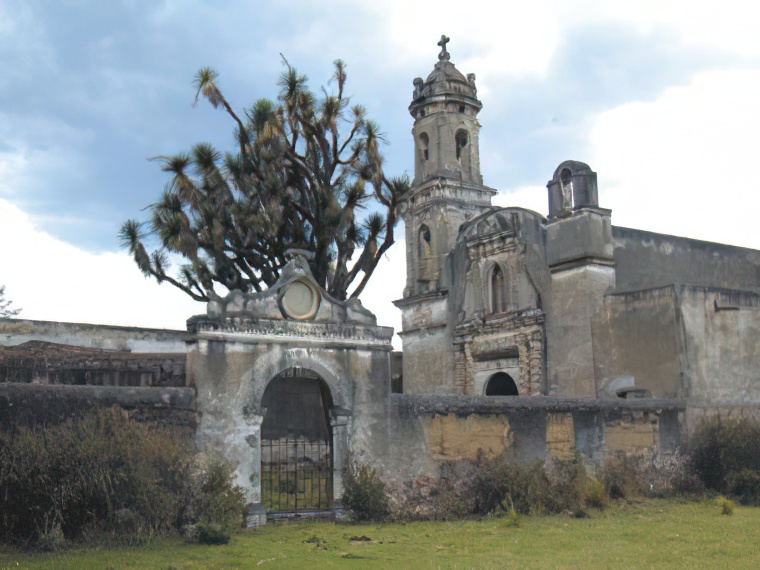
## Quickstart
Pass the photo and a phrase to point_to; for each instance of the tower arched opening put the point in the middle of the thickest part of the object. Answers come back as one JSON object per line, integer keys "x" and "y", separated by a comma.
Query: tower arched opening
{"x": 501, "y": 384}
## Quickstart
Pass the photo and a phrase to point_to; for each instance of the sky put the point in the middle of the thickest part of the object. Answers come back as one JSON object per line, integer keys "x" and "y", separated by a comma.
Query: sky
{"x": 658, "y": 97}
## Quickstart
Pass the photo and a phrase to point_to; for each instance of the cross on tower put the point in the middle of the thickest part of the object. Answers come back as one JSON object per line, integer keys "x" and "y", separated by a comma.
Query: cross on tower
{"x": 444, "y": 55}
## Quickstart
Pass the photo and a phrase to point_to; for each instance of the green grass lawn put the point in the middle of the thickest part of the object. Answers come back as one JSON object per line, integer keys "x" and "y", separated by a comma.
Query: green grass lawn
{"x": 646, "y": 534}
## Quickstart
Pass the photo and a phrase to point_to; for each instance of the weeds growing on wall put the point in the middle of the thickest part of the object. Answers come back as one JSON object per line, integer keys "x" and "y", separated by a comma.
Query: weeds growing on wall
{"x": 499, "y": 486}
{"x": 100, "y": 478}
{"x": 649, "y": 473}
{"x": 539, "y": 488}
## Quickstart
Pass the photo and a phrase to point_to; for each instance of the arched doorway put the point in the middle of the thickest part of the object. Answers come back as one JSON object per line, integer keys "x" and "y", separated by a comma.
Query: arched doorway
{"x": 296, "y": 443}
{"x": 501, "y": 384}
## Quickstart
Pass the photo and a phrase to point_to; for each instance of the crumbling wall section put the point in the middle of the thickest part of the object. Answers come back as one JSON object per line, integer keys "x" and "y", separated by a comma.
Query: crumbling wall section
{"x": 50, "y": 363}
{"x": 129, "y": 339}
{"x": 30, "y": 405}
{"x": 428, "y": 432}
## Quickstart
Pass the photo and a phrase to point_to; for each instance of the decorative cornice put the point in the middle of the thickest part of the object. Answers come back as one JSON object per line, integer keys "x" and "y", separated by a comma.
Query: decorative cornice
{"x": 506, "y": 322}
{"x": 435, "y": 295}
{"x": 441, "y": 188}
{"x": 242, "y": 329}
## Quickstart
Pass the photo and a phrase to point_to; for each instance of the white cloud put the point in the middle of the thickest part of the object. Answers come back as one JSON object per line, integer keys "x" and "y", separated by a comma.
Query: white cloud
{"x": 729, "y": 26}
{"x": 685, "y": 164}
{"x": 55, "y": 281}
{"x": 494, "y": 38}
{"x": 529, "y": 197}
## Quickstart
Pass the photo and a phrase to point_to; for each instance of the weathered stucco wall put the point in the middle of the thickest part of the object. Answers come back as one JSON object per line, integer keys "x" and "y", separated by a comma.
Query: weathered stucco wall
{"x": 577, "y": 295}
{"x": 645, "y": 260}
{"x": 428, "y": 361}
{"x": 722, "y": 338}
{"x": 640, "y": 335}
{"x": 681, "y": 342}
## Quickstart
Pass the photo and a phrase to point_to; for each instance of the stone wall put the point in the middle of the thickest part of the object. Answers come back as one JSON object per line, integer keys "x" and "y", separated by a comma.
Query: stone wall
{"x": 722, "y": 340}
{"x": 639, "y": 335}
{"x": 51, "y": 363}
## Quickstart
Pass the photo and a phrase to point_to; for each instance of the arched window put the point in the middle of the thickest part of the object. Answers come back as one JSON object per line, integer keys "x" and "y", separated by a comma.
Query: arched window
{"x": 501, "y": 384}
{"x": 566, "y": 178}
{"x": 498, "y": 291}
{"x": 461, "y": 142}
{"x": 425, "y": 249}
{"x": 424, "y": 145}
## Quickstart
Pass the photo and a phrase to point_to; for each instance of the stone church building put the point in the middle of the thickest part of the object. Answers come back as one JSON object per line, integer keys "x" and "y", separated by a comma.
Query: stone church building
{"x": 522, "y": 334}
{"x": 505, "y": 301}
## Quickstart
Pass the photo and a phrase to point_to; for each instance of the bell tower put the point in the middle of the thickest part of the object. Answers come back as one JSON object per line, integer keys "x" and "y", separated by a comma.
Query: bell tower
{"x": 447, "y": 191}
{"x": 448, "y": 187}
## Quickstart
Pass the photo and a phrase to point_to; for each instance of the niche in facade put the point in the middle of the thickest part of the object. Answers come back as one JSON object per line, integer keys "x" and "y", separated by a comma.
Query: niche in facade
{"x": 498, "y": 291}
{"x": 566, "y": 179}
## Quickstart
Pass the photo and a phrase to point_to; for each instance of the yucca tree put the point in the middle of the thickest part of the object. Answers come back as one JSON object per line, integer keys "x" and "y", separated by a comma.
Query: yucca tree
{"x": 307, "y": 173}
{"x": 5, "y": 306}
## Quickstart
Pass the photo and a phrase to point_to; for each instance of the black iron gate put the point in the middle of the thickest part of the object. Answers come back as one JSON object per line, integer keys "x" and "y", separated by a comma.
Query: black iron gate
{"x": 296, "y": 444}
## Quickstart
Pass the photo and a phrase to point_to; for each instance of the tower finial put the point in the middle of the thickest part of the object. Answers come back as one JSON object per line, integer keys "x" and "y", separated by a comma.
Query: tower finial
{"x": 444, "y": 55}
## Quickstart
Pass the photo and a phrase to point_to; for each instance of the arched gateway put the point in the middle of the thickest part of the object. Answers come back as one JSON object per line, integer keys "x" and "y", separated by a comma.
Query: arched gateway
{"x": 291, "y": 385}
{"x": 296, "y": 443}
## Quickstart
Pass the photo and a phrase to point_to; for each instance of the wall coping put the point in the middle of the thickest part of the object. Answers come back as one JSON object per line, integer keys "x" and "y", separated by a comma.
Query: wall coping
{"x": 409, "y": 405}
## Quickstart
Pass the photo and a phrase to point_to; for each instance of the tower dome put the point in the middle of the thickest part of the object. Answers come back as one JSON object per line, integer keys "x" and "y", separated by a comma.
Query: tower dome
{"x": 445, "y": 108}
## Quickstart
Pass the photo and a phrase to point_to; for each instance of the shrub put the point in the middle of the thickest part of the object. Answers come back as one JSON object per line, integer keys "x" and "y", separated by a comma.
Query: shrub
{"x": 725, "y": 455}
{"x": 216, "y": 505}
{"x": 568, "y": 483}
{"x": 501, "y": 485}
{"x": 210, "y": 533}
{"x": 78, "y": 476}
{"x": 449, "y": 501}
{"x": 364, "y": 493}
{"x": 619, "y": 477}
{"x": 745, "y": 486}
{"x": 726, "y": 506}
{"x": 595, "y": 496}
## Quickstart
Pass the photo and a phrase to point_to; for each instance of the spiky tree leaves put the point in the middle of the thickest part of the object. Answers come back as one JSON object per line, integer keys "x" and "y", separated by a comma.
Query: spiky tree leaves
{"x": 307, "y": 173}
{"x": 5, "y": 306}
